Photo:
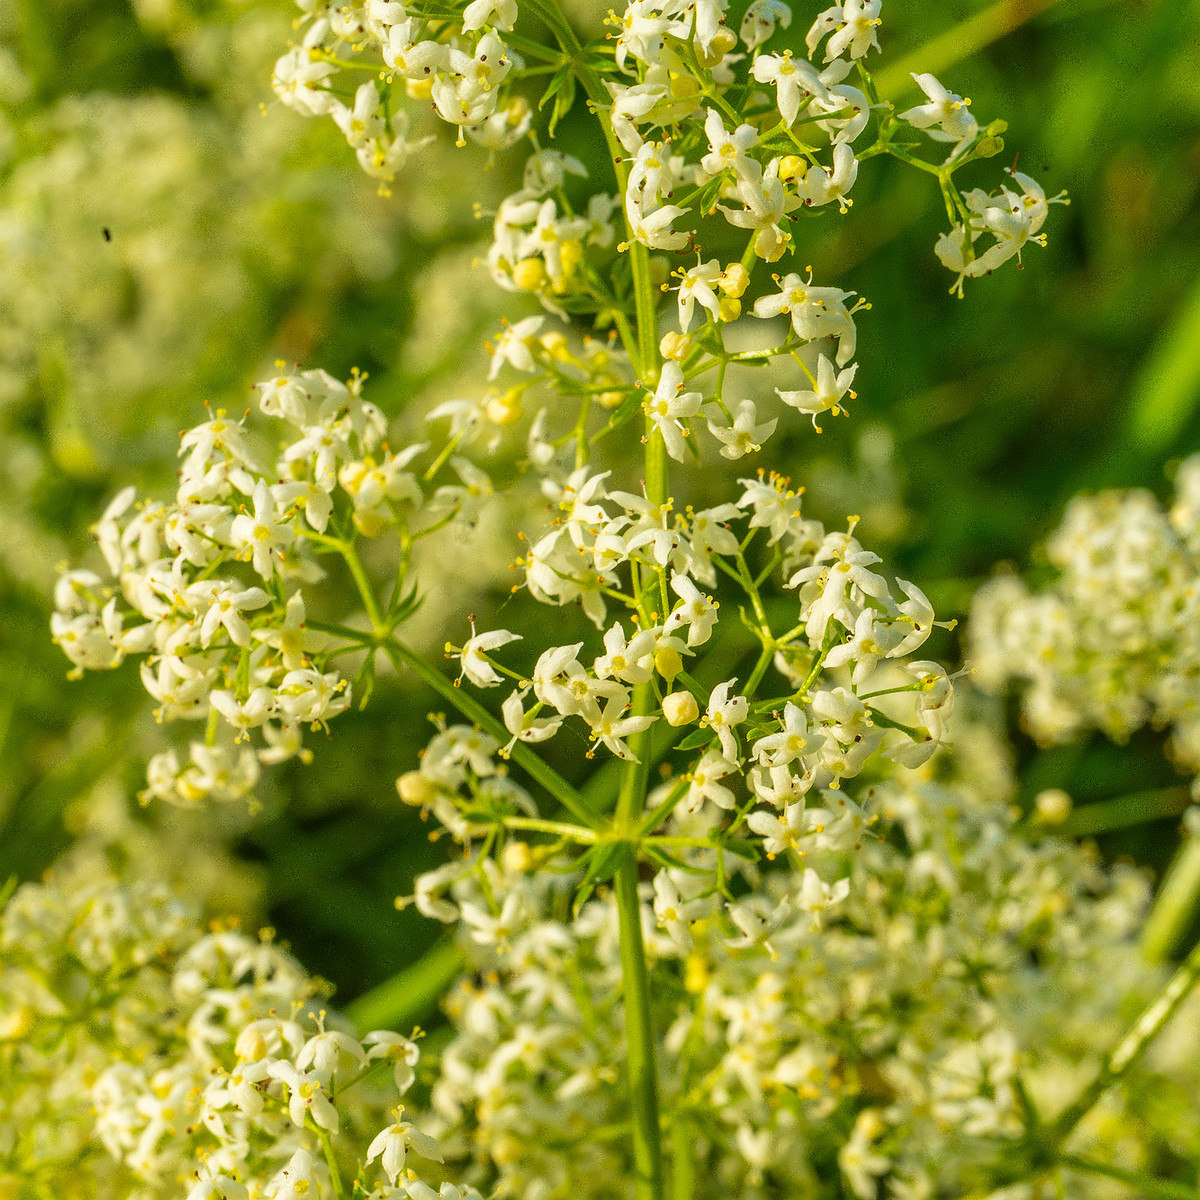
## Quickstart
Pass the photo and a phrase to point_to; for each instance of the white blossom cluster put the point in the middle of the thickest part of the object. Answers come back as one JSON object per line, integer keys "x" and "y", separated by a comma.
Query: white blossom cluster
{"x": 1113, "y": 642}
{"x": 882, "y": 1042}
{"x": 853, "y": 688}
{"x": 145, "y": 1056}
{"x": 773, "y": 133}
{"x": 210, "y": 586}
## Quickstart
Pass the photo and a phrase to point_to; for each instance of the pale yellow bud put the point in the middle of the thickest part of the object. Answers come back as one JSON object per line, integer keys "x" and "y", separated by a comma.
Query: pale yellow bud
{"x": 667, "y": 662}
{"x": 695, "y": 974}
{"x": 418, "y": 89}
{"x": 729, "y": 308}
{"x": 505, "y": 409}
{"x": 611, "y": 399}
{"x": 723, "y": 41}
{"x": 675, "y": 346}
{"x": 1052, "y": 806}
{"x": 572, "y": 255}
{"x": 517, "y": 857}
{"x": 530, "y": 275}
{"x": 371, "y": 523}
{"x": 415, "y": 789}
{"x": 735, "y": 279}
{"x": 18, "y": 1024}
{"x": 792, "y": 168}
{"x": 680, "y": 708}
{"x": 555, "y": 344}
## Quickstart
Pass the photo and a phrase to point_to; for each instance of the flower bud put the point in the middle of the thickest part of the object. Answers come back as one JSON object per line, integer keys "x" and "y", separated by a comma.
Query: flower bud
{"x": 675, "y": 346}
{"x": 517, "y": 857}
{"x": 418, "y": 89}
{"x": 667, "y": 662}
{"x": 792, "y": 168}
{"x": 734, "y": 280}
{"x": 415, "y": 789}
{"x": 505, "y": 409}
{"x": 1053, "y": 806}
{"x": 530, "y": 275}
{"x": 372, "y": 522}
{"x": 729, "y": 308}
{"x": 722, "y": 42}
{"x": 680, "y": 708}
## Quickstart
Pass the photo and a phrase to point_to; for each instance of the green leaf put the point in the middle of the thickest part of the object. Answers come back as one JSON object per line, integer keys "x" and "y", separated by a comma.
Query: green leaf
{"x": 563, "y": 103}
{"x": 630, "y": 406}
{"x": 557, "y": 81}
{"x": 603, "y": 865}
{"x": 698, "y": 737}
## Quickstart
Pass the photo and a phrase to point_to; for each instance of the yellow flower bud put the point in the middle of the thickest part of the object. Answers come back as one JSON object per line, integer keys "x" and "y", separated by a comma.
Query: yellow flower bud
{"x": 572, "y": 256}
{"x": 695, "y": 974}
{"x": 505, "y": 409}
{"x": 667, "y": 662}
{"x": 680, "y": 708}
{"x": 530, "y": 275}
{"x": 415, "y": 789}
{"x": 517, "y": 857}
{"x": 1052, "y": 806}
{"x": 675, "y": 346}
{"x": 729, "y": 308}
{"x": 555, "y": 344}
{"x": 723, "y": 41}
{"x": 792, "y": 168}
{"x": 734, "y": 280}
{"x": 371, "y": 523}
{"x": 418, "y": 89}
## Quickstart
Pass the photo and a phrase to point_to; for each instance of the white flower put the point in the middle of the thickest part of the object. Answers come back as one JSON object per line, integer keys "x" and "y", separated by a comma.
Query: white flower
{"x": 474, "y": 665}
{"x": 390, "y": 1146}
{"x": 698, "y": 612}
{"x": 724, "y": 712}
{"x": 667, "y": 408}
{"x": 261, "y": 538}
{"x": 746, "y": 435}
{"x": 793, "y": 80}
{"x": 831, "y": 386}
{"x": 944, "y": 109}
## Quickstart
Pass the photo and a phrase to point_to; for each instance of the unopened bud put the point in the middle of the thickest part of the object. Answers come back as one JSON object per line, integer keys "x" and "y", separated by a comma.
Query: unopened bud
{"x": 530, "y": 275}
{"x": 371, "y": 523}
{"x": 729, "y": 308}
{"x": 1053, "y": 806}
{"x": 734, "y": 280}
{"x": 989, "y": 147}
{"x": 675, "y": 346}
{"x": 418, "y": 89}
{"x": 792, "y": 168}
{"x": 680, "y": 708}
{"x": 517, "y": 857}
{"x": 555, "y": 344}
{"x": 722, "y": 42}
{"x": 416, "y": 789}
{"x": 667, "y": 662}
{"x": 505, "y": 409}
{"x": 571, "y": 254}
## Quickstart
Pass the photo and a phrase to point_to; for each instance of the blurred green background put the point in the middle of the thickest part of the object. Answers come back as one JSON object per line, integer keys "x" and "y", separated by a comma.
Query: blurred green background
{"x": 236, "y": 237}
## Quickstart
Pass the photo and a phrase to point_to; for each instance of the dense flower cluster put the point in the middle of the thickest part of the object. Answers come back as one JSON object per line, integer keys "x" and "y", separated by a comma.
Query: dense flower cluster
{"x": 1112, "y": 642}
{"x": 886, "y": 1041}
{"x": 213, "y": 581}
{"x": 143, "y": 1055}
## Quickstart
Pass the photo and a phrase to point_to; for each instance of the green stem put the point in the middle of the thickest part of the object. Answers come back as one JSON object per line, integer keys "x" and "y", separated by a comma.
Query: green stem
{"x": 1130, "y": 1048}
{"x": 1144, "y": 1185}
{"x": 335, "y": 1176}
{"x": 639, "y": 1036}
{"x": 1176, "y": 904}
{"x": 470, "y": 708}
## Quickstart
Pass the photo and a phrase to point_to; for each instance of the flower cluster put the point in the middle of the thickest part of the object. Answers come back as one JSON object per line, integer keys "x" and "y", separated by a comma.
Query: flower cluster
{"x": 885, "y": 1044}
{"x": 141, "y": 1052}
{"x": 1112, "y": 642}
{"x": 210, "y": 587}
